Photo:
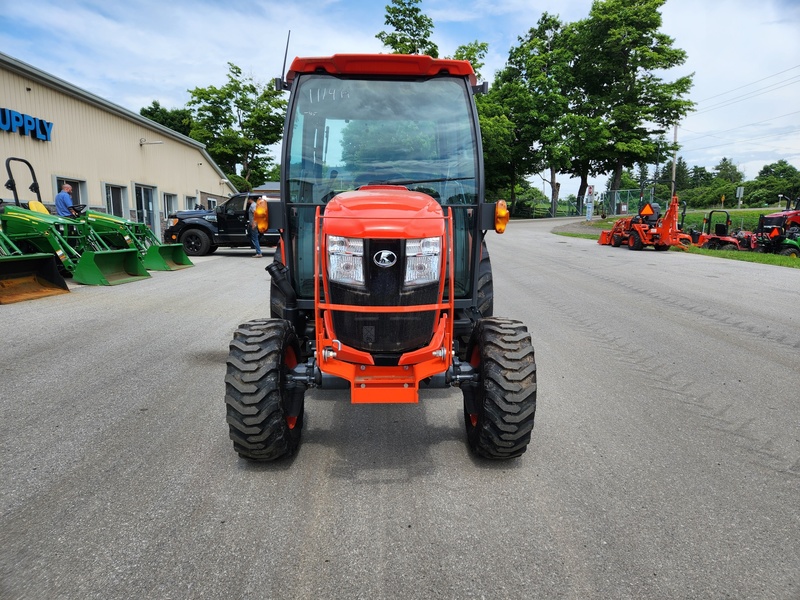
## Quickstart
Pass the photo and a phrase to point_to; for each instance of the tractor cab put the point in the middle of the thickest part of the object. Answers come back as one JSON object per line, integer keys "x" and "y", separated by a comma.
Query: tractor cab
{"x": 356, "y": 141}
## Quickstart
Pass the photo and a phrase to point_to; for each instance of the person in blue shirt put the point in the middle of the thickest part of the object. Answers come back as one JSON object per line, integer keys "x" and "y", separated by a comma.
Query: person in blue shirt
{"x": 64, "y": 202}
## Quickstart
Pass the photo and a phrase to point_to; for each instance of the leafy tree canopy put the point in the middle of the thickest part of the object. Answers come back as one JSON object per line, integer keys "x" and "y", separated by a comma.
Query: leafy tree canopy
{"x": 412, "y": 29}
{"x": 238, "y": 122}
{"x": 177, "y": 119}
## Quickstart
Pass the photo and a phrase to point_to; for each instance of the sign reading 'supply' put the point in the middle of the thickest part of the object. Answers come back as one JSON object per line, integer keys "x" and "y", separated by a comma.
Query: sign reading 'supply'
{"x": 16, "y": 122}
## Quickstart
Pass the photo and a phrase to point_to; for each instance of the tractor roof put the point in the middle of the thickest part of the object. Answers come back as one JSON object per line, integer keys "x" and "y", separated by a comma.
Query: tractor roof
{"x": 411, "y": 65}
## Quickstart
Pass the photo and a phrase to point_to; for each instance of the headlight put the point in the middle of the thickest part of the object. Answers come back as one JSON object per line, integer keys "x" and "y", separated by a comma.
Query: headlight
{"x": 345, "y": 260}
{"x": 211, "y": 218}
{"x": 422, "y": 260}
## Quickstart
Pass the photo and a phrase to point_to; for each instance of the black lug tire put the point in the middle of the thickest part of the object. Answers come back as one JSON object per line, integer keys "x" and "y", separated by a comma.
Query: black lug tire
{"x": 635, "y": 241}
{"x": 256, "y": 397}
{"x": 505, "y": 397}
{"x": 616, "y": 240}
{"x": 729, "y": 247}
{"x": 485, "y": 283}
{"x": 791, "y": 251}
{"x": 277, "y": 299}
{"x": 196, "y": 242}
{"x": 661, "y": 247}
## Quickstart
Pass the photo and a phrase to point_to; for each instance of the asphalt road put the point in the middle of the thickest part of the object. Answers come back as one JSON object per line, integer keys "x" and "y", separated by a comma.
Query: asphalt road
{"x": 665, "y": 461}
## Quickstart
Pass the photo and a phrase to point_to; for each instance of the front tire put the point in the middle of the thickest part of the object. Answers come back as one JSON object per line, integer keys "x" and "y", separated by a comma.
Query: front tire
{"x": 485, "y": 283}
{"x": 264, "y": 415}
{"x": 791, "y": 251}
{"x": 196, "y": 242}
{"x": 499, "y": 409}
{"x": 635, "y": 241}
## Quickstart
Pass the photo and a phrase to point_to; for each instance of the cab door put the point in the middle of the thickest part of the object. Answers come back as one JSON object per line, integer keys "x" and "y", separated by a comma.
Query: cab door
{"x": 232, "y": 219}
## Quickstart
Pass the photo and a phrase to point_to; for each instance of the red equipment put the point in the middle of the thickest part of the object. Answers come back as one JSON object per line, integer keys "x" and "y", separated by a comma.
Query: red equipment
{"x": 382, "y": 282}
{"x": 648, "y": 228}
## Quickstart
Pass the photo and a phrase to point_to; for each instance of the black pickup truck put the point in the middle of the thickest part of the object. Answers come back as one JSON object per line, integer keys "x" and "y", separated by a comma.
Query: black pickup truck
{"x": 203, "y": 231}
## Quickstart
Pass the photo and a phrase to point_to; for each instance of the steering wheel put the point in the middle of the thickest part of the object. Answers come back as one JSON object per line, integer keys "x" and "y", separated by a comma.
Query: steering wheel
{"x": 78, "y": 208}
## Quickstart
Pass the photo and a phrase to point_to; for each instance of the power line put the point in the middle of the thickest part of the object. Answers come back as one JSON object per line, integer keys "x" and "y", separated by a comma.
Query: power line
{"x": 728, "y": 143}
{"x": 749, "y": 95}
{"x": 702, "y": 135}
{"x": 749, "y": 84}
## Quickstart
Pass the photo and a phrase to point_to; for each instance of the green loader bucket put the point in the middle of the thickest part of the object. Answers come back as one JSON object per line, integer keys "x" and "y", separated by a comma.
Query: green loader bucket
{"x": 122, "y": 233}
{"x": 29, "y": 276}
{"x": 166, "y": 257}
{"x": 109, "y": 267}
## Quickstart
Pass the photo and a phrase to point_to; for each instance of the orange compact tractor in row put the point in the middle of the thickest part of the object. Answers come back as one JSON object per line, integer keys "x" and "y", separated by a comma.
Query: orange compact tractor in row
{"x": 648, "y": 228}
{"x": 382, "y": 282}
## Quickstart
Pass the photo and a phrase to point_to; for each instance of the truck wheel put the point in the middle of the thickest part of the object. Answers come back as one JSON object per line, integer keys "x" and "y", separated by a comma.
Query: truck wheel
{"x": 485, "y": 283}
{"x": 499, "y": 409}
{"x": 196, "y": 242}
{"x": 635, "y": 241}
{"x": 264, "y": 415}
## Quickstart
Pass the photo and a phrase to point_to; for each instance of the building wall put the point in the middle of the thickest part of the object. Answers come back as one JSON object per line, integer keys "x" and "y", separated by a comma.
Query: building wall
{"x": 95, "y": 143}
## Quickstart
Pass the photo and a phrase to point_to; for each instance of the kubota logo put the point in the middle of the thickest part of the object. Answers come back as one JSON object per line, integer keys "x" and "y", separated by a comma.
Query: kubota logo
{"x": 385, "y": 258}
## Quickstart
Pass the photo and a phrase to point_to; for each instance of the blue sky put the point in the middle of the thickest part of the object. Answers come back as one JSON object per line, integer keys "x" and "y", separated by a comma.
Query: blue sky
{"x": 745, "y": 55}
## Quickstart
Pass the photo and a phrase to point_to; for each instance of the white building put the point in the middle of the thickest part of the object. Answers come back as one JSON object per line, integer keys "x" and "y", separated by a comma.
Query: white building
{"x": 116, "y": 160}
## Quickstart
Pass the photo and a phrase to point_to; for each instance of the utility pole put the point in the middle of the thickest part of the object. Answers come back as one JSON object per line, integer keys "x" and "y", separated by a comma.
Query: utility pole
{"x": 674, "y": 159}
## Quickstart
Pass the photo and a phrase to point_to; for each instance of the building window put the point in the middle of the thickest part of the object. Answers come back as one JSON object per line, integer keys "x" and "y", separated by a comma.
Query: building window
{"x": 170, "y": 204}
{"x": 114, "y": 197}
{"x": 191, "y": 202}
{"x": 145, "y": 209}
{"x": 212, "y": 203}
{"x": 77, "y": 188}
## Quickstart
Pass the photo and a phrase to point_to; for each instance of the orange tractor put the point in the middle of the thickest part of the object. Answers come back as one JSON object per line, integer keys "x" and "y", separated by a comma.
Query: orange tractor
{"x": 382, "y": 282}
{"x": 648, "y": 228}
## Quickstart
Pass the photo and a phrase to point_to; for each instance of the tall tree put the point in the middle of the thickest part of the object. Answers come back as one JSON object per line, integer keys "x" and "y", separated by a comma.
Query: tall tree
{"x": 412, "y": 29}
{"x": 531, "y": 87}
{"x": 619, "y": 53}
{"x": 474, "y": 52}
{"x": 238, "y": 122}
{"x": 728, "y": 171}
{"x": 177, "y": 119}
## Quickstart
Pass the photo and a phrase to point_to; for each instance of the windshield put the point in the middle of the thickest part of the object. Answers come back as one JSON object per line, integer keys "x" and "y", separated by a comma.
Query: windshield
{"x": 347, "y": 133}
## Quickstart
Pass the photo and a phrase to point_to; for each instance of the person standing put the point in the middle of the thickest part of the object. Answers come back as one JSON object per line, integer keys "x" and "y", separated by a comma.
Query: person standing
{"x": 64, "y": 202}
{"x": 251, "y": 222}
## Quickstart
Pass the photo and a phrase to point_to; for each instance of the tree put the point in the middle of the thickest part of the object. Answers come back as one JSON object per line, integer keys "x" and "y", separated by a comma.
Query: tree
{"x": 531, "y": 88}
{"x": 618, "y": 52}
{"x": 177, "y": 119}
{"x": 700, "y": 177}
{"x": 498, "y": 139}
{"x": 728, "y": 171}
{"x": 474, "y": 52}
{"x": 412, "y": 29}
{"x": 238, "y": 122}
{"x": 774, "y": 179}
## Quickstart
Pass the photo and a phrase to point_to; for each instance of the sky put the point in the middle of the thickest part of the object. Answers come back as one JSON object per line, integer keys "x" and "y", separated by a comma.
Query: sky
{"x": 745, "y": 55}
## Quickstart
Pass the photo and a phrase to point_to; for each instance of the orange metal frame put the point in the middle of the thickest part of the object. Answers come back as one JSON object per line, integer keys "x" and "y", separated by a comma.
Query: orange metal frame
{"x": 379, "y": 384}
{"x": 665, "y": 230}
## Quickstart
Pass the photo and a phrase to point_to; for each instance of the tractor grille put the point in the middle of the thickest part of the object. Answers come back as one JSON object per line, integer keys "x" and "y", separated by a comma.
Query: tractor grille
{"x": 384, "y": 332}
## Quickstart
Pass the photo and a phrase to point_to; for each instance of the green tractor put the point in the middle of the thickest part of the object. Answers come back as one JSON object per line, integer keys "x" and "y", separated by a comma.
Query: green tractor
{"x": 121, "y": 233}
{"x": 83, "y": 254}
{"x": 776, "y": 234}
{"x": 27, "y": 276}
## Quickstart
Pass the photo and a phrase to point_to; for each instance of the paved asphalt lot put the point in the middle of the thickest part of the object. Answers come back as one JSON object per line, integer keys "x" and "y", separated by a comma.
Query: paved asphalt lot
{"x": 665, "y": 461}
